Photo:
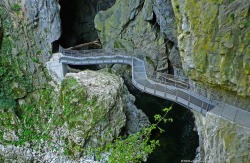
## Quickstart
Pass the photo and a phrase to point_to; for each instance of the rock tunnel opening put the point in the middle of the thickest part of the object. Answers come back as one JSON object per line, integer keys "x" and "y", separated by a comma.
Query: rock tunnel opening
{"x": 77, "y": 20}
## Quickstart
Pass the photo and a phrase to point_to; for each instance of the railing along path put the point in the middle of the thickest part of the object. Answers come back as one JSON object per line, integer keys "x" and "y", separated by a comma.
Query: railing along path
{"x": 155, "y": 83}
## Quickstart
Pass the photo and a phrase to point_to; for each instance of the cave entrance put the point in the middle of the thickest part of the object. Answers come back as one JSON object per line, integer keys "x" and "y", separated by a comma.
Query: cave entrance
{"x": 77, "y": 20}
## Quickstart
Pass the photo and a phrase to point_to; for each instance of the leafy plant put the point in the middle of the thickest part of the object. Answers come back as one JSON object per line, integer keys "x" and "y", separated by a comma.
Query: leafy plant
{"x": 135, "y": 147}
{"x": 35, "y": 59}
{"x": 16, "y": 7}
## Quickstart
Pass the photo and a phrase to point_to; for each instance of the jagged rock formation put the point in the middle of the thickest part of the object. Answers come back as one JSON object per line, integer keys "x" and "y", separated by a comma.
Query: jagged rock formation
{"x": 221, "y": 140}
{"x": 148, "y": 25}
{"x": 129, "y": 24}
{"x": 29, "y": 28}
{"x": 213, "y": 40}
{"x": 92, "y": 110}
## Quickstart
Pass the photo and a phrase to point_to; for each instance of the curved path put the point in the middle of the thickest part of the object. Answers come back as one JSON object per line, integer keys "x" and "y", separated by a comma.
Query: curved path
{"x": 165, "y": 87}
{"x": 174, "y": 90}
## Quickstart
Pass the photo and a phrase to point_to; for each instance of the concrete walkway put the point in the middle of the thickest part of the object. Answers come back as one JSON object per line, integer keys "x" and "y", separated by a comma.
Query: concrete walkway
{"x": 176, "y": 90}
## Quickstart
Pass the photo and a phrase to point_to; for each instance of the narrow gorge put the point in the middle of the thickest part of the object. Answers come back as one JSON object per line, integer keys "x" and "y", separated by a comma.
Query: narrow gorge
{"x": 51, "y": 111}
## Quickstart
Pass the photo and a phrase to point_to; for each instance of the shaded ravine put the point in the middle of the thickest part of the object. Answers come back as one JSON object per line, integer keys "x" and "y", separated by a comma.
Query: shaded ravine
{"x": 180, "y": 140}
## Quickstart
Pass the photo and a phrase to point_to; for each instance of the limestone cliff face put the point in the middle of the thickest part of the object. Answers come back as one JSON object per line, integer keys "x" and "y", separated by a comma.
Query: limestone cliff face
{"x": 221, "y": 140}
{"x": 142, "y": 24}
{"x": 213, "y": 39}
{"x": 29, "y": 27}
{"x": 127, "y": 24}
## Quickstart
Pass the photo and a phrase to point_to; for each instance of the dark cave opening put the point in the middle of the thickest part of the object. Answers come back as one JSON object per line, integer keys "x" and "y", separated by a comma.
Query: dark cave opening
{"x": 77, "y": 20}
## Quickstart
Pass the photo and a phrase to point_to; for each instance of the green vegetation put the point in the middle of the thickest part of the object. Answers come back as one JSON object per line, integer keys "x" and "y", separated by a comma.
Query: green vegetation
{"x": 35, "y": 59}
{"x": 232, "y": 16}
{"x": 15, "y": 81}
{"x": 16, "y": 7}
{"x": 135, "y": 147}
{"x": 246, "y": 24}
{"x": 29, "y": 123}
{"x": 33, "y": 124}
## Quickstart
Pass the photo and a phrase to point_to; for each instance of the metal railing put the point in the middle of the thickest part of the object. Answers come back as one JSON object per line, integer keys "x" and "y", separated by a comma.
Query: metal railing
{"x": 166, "y": 86}
{"x": 152, "y": 82}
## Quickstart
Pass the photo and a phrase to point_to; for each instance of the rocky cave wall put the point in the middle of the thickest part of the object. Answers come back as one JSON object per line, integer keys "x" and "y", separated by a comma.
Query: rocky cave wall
{"x": 213, "y": 39}
{"x": 146, "y": 25}
{"x": 221, "y": 140}
{"x": 29, "y": 28}
{"x": 167, "y": 29}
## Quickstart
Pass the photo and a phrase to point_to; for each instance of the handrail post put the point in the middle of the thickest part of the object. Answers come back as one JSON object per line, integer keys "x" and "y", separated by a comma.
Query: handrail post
{"x": 176, "y": 95}
{"x": 165, "y": 92}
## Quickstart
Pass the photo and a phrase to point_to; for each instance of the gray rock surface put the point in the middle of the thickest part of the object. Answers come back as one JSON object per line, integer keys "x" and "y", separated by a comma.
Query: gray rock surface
{"x": 38, "y": 22}
{"x": 94, "y": 107}
{"x": 213, "y": 38}
{"x": 165, "y": 18}
{"x": 222, "y": 140}
{"x": 148, "y": 25}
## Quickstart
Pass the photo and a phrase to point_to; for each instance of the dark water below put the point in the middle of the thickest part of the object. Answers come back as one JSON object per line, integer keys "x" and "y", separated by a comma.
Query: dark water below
{"x": 179, "y": 141}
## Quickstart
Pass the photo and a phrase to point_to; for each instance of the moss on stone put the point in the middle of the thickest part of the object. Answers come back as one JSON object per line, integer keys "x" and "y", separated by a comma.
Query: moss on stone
{"x": 229, "y": 139}
{"x": 221, "y": 29}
